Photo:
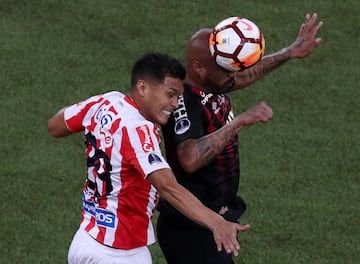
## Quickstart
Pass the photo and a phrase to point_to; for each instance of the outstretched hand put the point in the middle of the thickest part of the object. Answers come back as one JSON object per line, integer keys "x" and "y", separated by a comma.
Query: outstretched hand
{"x": 226, "y": 237}
{"x": 307, "y": 39}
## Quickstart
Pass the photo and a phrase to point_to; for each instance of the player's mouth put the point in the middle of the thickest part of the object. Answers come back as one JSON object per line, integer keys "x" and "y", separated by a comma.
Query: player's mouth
{"x": 167, "y": 113}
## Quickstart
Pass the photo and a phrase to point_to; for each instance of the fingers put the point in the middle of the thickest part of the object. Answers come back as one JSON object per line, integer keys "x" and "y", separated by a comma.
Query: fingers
{"x": 231, "y": 244}
{"x": 317, "y": 41}
{"x": 231, "y": 247}
{"x": 310, "y": 22}
{"x": 311, "y": 19}
{"x": 306, "y": 40}
{"x": 260, "y": 112}
{"x": 265, "y": 112}
{"x": 243, "y": 228}
{"x": 227, "y": 238}
{"x": 234, "y": 246}
{"x": 319, "y": 25}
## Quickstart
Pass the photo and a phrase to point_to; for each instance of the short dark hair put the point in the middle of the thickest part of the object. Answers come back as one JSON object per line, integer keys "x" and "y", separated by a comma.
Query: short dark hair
{"x": 155, "y": 67}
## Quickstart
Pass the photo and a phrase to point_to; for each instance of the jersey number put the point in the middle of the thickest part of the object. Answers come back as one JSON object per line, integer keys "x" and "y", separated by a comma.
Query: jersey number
{"x": 98, "y": 160}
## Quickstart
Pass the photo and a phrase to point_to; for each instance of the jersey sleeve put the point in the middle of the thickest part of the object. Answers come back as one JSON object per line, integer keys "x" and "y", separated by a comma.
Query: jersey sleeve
{"x": 188, "y": 121}
{"x": 76, "y": 115}
{"x": 141, "y": 145}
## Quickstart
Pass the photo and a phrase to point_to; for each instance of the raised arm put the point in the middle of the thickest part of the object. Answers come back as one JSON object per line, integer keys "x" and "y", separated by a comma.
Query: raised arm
{"x": 303, "y": 46}
{"x": 224, "y": 232}
{"x": 57, "y": 126}
{"x": 204, "y": 149}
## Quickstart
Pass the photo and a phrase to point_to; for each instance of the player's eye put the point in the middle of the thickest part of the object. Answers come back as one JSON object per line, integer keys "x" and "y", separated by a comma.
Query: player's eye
{"x": 171, "y": 95}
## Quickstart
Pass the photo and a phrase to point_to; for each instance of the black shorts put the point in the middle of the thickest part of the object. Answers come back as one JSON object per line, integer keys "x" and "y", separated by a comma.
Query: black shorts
{"x": 182, "y": 243}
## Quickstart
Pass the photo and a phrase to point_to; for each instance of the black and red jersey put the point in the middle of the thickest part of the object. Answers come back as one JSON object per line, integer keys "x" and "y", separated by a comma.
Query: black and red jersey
{"x": 199, "y": 114}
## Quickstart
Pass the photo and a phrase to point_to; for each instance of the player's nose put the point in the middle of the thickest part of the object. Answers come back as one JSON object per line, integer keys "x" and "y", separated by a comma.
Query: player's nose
{"x": 175, "y": 102}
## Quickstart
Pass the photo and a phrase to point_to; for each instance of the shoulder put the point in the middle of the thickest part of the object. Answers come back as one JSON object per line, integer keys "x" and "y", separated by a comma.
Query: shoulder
{"x": 113, "y": 95}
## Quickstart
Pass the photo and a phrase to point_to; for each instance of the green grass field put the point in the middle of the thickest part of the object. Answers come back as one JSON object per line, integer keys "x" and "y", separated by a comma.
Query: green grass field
{"x": 300, "y": 172}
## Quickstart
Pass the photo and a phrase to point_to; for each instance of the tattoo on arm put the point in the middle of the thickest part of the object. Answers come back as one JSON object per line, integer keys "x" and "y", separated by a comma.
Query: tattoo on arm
{"x": 262, "y": 68}
{"x": 270, "y": 63}
{"x": 282, "y": 56}
{"x": 209, "y": 146}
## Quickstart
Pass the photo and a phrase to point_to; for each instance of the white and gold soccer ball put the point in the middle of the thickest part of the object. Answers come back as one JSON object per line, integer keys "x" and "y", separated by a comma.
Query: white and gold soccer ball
{"x": 236, "y": 43}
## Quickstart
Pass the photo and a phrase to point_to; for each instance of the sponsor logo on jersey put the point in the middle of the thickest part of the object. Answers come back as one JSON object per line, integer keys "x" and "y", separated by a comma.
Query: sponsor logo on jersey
{"x": 182, "y": 126}
{"x": 106, "y": 120}
{"x": 205, "y": 96}
{"x": 154, "y": 159}
{"x": 104, "y": 116}
{"x": 103, "y": 217}
{"x": 145, "y": 138}
{"x": 106, "y": 136}
{"x": 182, "y": 122}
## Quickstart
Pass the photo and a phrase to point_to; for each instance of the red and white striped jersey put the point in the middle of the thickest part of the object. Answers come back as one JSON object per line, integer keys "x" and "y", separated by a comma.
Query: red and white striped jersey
{"x": 122, "y": 148}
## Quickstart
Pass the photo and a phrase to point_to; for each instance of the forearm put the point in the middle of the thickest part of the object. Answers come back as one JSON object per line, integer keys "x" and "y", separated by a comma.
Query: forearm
{"x": 57, "y": 126}
{"x": 266, "y": 65}
{"x": 186, "y": 203}
{"x": 205, "y": 149}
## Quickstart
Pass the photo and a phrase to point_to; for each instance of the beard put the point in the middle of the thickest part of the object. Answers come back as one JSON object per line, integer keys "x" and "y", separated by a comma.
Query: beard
{"x": 219, "y": 88}
{"x": 228, "y": 85}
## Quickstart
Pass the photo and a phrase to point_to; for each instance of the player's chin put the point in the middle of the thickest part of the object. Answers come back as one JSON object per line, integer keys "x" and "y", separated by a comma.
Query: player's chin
{"x": 163, "y": 117}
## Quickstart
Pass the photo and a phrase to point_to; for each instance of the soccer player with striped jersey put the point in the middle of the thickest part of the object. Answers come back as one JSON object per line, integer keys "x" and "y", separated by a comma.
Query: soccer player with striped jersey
{"x": 126, "y": 170}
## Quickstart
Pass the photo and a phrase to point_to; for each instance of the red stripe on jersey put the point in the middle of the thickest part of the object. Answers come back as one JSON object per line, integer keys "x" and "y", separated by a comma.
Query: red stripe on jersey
{"x": 133, "y": 200}
{"x": 75, "y": 123}
{"x": 91, "y": 224}
{"x": 156, "y": 132}
{"x": 101, "y": 235}
{"x": 115, "y": 126}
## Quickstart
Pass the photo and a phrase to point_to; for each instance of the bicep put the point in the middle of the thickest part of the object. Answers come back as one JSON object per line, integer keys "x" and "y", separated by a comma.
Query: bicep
{"x": 163, "y": 180}
{"x": 184, "y": 150}
{"x": 169, "y": 189}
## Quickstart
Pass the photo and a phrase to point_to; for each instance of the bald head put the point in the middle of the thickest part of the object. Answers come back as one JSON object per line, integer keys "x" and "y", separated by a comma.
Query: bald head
{"x": 202, "y": 70}
{"x": 197, "y": 48}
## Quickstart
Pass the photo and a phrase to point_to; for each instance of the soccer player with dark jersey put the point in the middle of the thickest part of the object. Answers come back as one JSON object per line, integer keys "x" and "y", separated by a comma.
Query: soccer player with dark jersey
{"x": 198, "y": 115}
{"x": 201, "y": 142}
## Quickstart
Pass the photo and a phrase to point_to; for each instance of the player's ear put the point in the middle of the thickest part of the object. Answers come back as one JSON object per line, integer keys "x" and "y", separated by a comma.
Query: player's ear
{"x": 198, "y": 68}
{"x": 141, "y": 86}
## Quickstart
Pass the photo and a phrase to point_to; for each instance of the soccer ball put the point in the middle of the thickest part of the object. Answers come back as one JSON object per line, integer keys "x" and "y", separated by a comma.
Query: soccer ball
{"x": 236, "y": 43}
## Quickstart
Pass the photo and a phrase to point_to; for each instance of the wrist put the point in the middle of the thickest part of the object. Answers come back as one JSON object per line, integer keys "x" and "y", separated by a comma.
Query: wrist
{"x": 284, "y": 54}
{"x": 215, "y": 221}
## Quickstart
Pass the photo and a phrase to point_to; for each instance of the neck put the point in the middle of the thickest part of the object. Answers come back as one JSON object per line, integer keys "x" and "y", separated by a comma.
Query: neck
{"x": 196, "y": 82}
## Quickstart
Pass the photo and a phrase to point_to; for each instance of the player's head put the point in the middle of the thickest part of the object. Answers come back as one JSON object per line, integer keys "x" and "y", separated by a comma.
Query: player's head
{"x": 156, "y": 81}
{"x": 155, "y": 67}
{"x": 202, "y": 68}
